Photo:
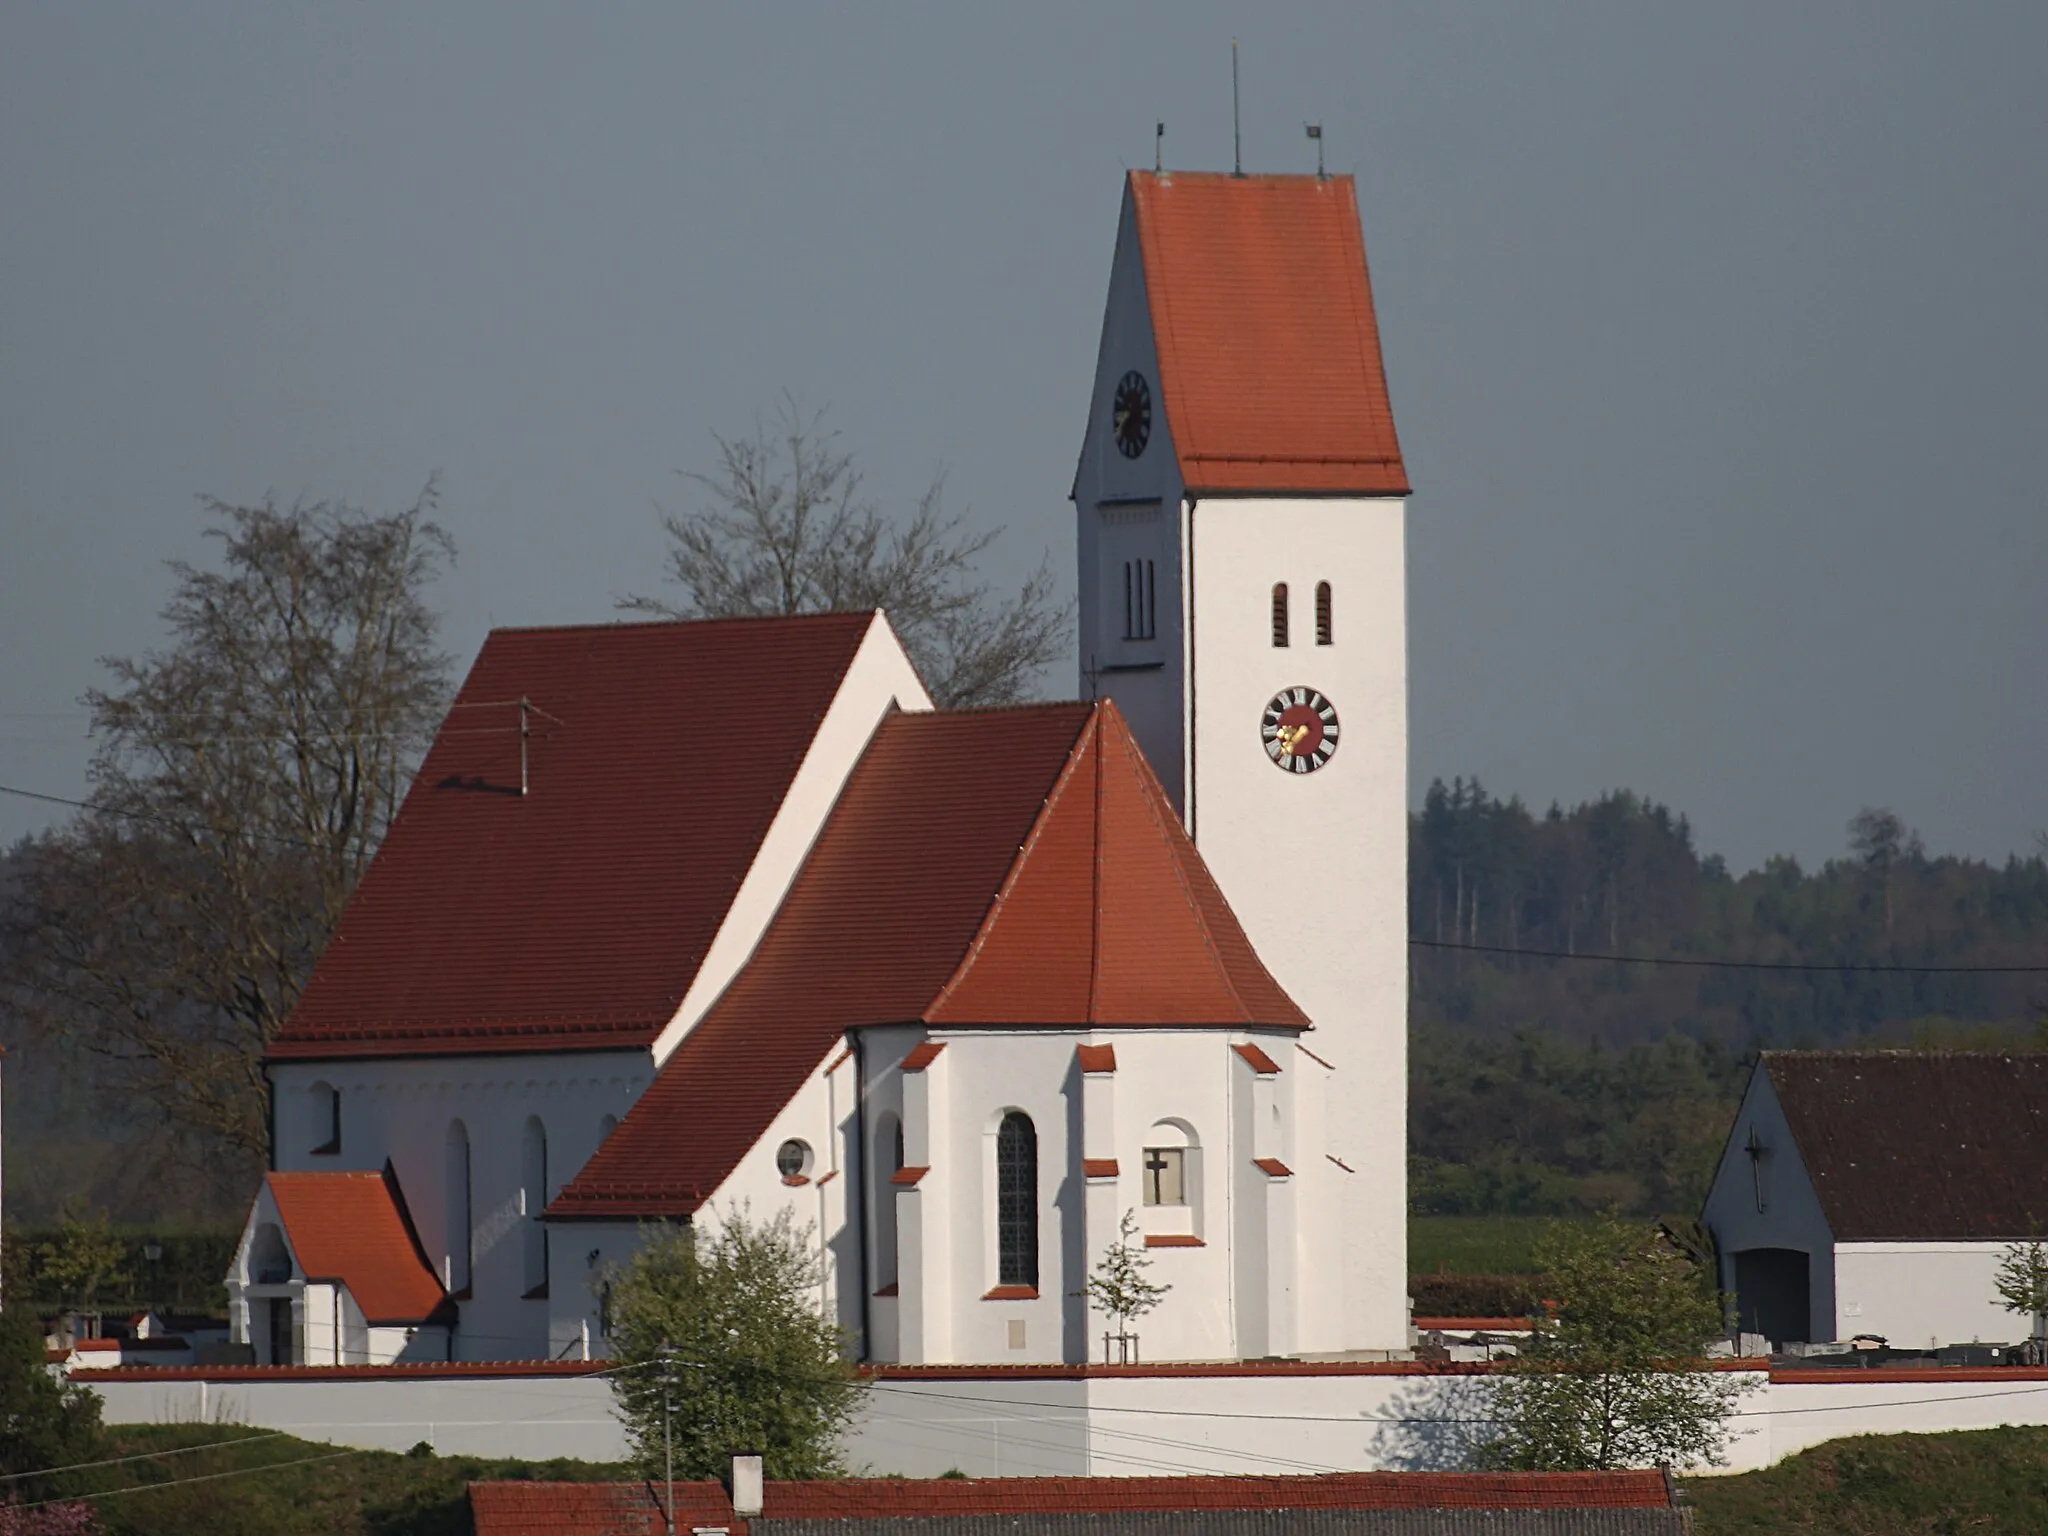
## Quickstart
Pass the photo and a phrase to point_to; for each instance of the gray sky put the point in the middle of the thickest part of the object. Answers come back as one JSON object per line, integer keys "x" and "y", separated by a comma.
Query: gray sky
{"x": 1716, "y": 333}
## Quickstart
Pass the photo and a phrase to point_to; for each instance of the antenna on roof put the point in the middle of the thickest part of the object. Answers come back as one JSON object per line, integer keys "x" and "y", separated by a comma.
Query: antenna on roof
{"x": 1158, "y": 148}
{"x": 1236, "y": 121}
{"x": 1315, "y": 131}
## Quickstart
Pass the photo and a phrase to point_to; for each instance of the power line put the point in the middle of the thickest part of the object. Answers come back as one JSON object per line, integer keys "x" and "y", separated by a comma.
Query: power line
{"x": 1699, "y": 963}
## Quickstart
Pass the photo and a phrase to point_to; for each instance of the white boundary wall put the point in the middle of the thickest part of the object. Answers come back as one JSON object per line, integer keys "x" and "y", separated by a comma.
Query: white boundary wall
{"x": 1062, "y": 1423}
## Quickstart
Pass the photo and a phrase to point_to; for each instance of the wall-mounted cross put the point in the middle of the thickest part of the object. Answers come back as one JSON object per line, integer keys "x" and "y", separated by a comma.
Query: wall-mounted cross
{"x": 1756, "y": 1149}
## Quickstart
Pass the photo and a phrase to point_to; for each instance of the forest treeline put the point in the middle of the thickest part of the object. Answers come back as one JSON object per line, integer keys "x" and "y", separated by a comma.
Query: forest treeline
{"x": 1543, "y": 1085}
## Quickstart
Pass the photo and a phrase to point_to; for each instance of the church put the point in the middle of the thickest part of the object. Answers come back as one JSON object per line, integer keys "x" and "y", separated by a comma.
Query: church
{"x": 686, "y": 919}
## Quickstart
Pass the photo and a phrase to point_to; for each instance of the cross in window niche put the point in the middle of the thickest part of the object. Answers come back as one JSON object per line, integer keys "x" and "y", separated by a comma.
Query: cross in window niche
{"x": 1163, "y": 1182}
{"x": 1755, "y": 1149}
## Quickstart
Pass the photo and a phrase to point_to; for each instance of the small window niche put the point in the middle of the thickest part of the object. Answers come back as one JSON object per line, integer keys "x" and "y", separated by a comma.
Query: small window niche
{"x": 1169, "y": 1174}
{"x": 1279, "y": 615}
{"x": 326, "y": 1103}
{"x": 1322, "y": 613}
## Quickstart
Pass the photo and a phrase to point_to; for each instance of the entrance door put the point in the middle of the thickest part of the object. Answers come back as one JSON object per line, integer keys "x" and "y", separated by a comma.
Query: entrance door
{"x": 1774, "y": 1294}
{"x": 280, "y": 1330}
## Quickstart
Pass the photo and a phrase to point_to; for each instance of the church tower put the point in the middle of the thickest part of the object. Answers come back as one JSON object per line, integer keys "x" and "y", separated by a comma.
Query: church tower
{"x": 1240, "y": 505}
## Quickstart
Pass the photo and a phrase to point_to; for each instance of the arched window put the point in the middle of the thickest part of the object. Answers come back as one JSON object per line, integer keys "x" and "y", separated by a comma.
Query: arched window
{"x": 533, "y": 1199}
{"x": 1017, "y": 1201}
{"x": 1279, "y": 613}
{"x": 326, "y": 1102}
{"x": 1322, "y": 613}
{"x": 460, "y": 1242}
{"x": 888, "y": 1159}
{"x": 1170, "y": 1179}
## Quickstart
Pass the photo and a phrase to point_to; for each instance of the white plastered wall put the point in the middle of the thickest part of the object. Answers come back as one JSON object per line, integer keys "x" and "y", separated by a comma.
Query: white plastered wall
{"x": 1224, "y": 1287}
{"x": 400, "y": 1109}
{"x": 1315, "y": 865}
{"x": 879, "y": 678}
{"x": 1923, "y": 1295}
{"x": 1128, "y": 509}
{"x": 1769, "y": 1202}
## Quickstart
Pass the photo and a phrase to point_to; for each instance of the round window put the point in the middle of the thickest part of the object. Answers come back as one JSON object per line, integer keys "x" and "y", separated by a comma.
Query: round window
{"x": 793, "y": 1159}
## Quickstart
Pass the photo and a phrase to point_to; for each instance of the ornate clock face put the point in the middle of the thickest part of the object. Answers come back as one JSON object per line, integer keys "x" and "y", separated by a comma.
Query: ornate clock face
{"x": 1299, "y": 729}
{"x": 1130, "y": 416}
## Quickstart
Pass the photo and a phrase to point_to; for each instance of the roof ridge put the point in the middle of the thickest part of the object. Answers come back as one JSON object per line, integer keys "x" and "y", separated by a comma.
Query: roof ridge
{"x": 704, "y": 621}
{"x": 1147, "y": 789}
{"x": 1016, "y": 869}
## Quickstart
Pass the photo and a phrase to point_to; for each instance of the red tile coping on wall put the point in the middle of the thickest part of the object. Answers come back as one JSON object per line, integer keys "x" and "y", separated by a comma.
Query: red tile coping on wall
{"x": 1173, "y": 1240}
{"x": 1312, "y": 1056}
{"x": 1011, "y": 1293}
{"x": 1096, "y": 1058}
{"x": 1333, "y": 1157}
{"x": 1260, "y": 1062}
{"x": 906, "y": 1177}
{"x": 1098, "y": 1168}
{"x": 893, "y": 1288}
{"x": 1272, "y": 1168}
{"x": 838, "y": 1061}
{"x": 827, "y": 1177}
{"x": 1474, "y": 1324}
{"x": 425, "y": 1370}
{"x": 562, "y": 1509}
{"x": 922, "y": 1056}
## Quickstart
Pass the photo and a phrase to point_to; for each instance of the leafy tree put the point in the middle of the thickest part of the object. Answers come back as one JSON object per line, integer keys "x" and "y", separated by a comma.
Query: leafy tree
{"x": 1119, "y": 1285}
{"x": 2022, "y": 1282}
{"x": 244, "y": 777}
{"x": 1614, "y": 1375}
{"x": 81, "y": 1259}
{"x": 784, "y": 526}
{"x": 721, "y": 1350}
{"x": 47, "y": 1421}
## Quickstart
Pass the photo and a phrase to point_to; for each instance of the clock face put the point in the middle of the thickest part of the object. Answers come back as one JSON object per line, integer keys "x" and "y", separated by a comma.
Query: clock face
{"x": 1130, "y": 416}
{"x": 1299, "y": 729}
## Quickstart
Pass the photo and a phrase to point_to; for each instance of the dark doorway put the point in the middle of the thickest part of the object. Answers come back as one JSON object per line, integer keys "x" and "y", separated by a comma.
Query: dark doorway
{"x": 1774, "y": 1295}
{"x": 280, "y": 1331}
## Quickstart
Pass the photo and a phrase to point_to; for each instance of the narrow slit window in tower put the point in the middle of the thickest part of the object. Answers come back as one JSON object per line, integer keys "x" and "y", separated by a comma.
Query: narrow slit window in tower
{"x": 1279, "y": 614}
{"x": 1322, "y": 613}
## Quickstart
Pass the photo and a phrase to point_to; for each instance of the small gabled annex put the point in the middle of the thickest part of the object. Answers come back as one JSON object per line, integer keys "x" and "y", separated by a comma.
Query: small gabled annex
{"x": 1871, "y": 1192}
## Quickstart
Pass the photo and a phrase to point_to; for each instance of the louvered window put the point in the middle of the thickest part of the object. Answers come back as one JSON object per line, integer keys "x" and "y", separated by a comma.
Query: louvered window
{"x": 1017, "y": 1201}
{"x": 1322, "y": 613}
{"x": 1279, "y": 613}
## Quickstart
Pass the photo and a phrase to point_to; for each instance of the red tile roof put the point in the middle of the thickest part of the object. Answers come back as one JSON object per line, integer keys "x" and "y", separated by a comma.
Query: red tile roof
{"x": 1269, "y": 352}
{"x": 570, "y": 1509}
{"x": 1257, "y": 1059}
{"x": 1272, "y": 1167}
{"x": 574, "y": 917}
{"x": 956, "y": 898}
{"x": 1096, "y": 1058}
{"x": 918, "y": 1057}
{"x": 353, "y": 1228}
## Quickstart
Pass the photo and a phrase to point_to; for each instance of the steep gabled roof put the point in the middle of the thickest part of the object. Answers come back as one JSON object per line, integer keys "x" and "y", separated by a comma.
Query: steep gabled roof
{"x": 1041, "y": 1506}
{"x": 1920, "y": 1145}
{"x": 987, "y": 867}
{"x": 1269, "y": 350}
{"x": 576, "y": 915}
{"x": 353, "y": 1228}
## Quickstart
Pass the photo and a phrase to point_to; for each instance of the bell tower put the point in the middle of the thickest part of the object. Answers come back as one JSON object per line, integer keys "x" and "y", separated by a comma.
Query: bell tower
{"x": 1240, "y": 508}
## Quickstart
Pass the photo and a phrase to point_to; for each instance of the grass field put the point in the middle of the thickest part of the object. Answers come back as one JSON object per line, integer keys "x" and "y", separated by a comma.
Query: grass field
{"x": 1986, "y": 1482}
{"x": 227, "y": 1481}
{"x": 1474, "y": 1245}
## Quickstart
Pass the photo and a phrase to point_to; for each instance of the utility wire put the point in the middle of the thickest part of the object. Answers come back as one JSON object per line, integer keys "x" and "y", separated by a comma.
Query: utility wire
{"x": 1805, "y": 967}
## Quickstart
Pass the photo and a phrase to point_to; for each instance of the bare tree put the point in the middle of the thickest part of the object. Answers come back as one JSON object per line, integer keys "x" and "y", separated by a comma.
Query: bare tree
{"x": 784, "y": 526}
{"x": 243, "y": 778}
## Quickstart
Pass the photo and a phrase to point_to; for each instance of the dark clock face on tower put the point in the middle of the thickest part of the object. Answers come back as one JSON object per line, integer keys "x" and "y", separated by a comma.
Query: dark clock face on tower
{"x": 1299, "y": 730}
{"x": 1130, "y": 415}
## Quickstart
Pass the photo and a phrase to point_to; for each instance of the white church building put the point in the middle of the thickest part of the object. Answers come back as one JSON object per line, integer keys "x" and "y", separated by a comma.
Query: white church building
{"x": 679, "y": 919}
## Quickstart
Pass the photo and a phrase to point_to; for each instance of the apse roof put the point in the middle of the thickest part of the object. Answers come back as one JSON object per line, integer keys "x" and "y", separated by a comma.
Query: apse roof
{"x": 353, "y": 1228}
{"x": 1269, "y": 350}
{"x": 575, "y": 915}
{"x": 1920, "y": 1145}
{"x": 1005, "y": 868}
